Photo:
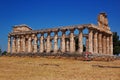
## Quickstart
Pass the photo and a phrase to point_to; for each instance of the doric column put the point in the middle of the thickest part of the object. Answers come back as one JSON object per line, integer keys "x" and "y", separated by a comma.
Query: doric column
{"x": 87, "y": 45}
{"x": 23, "y": 43}
{"x": 107, "y": 50}
{"x": 51, "y": 44}
{"x": 63, "y": 42}
{"x": 29, "y": 44}
{"x": 95, "y": 43}
{"x": 35, "y": 43}
{"x": 41, "y": 44}
{"x": 67, "y": 45}
{"x": 48, "y": 43}
{"x": 18, "y": 44}
{"x": 104, "y": 44}
{"x": 45, "y": 45}
{"x": 9, "y": 42}
{"x": 80, "y": 37}
{"x": 111, "y": 45}
{"x": 13, "y": 45}
{"x": 26, "y": 45}
{"x": 72, "y": 47}
{"x": 55, "y": 43}
{"x": 90, "y": 40}
{"x": 100, "y": 43}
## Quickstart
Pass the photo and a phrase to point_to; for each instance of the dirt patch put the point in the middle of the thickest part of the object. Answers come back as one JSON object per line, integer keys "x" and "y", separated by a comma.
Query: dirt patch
{"x": 102, "y": 66}
{"x": 49, "y": 65}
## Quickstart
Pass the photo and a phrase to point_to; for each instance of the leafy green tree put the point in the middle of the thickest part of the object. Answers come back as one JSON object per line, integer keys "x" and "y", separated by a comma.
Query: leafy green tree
{"x": 116, "y": 44}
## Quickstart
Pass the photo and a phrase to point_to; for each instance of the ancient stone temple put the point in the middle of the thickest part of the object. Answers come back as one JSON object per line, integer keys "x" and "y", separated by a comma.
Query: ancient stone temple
{"x": 98, "y": 39}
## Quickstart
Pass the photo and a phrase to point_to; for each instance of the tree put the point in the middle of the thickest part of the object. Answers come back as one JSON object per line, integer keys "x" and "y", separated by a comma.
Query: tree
{"x": 116, "y": 44}
{"x": 4, "y": 52}
{"x": 0, "y": 52}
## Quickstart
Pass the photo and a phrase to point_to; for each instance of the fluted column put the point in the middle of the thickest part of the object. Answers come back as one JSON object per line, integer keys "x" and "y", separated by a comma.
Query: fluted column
{"x": 100, "y": 43}
{"x": 67, "y": 45}
{"x": 72, "y": 48}
{"x": 87, "y": 44}
{"x": 63, "y": 42}
{"x": 18, "y": 44}
{"x": 9, "y": 42}
{"x": 80, "y": 38}
{"x": 13, "y": 45}
{"x": 51, "y": 44}
{"x": 104, "y": 45}
{"x": 48, "y": 43}
{"x": 111, "y": 45}
{"x": 23, "y": 43}
{"x": 95, "y": 43}
{"x": 107, "y": 50}
{"x": 41, "y": 44}
{"x": 29, "y": 44}
{"x": 55, "y": 43}
{"x": 35, "y": 43}
{"x": 90, "y": 40}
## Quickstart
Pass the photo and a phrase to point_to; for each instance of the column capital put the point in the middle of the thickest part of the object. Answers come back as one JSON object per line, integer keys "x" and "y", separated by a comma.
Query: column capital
{"x": 9, "y": 36}
{"x": 23, "y": 36}
{"x": 63, "y": 31}
{"x": 72, "y": 30}
{"x": 29, "y": 38}
{"x": 80, "y": 29}
{"x": 55, "y": 32}
{"x": 48, "y": 32}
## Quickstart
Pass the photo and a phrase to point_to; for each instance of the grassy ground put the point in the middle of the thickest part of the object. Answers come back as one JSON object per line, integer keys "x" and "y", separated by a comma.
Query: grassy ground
{"x": 26, "y": 68}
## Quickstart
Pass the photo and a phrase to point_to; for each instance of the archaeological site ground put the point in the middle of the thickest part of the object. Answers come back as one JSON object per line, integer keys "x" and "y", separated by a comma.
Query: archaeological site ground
{"x": 39, "y": 68}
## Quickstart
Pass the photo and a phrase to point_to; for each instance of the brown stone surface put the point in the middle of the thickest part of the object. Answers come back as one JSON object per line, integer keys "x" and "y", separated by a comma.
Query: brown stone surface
{"x": 99, "y": 39}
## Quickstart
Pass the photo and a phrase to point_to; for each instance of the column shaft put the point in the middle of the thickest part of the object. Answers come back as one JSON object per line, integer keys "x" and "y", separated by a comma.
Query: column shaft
{"x": 67, "y": 45}
{"x": 107, "y": 45}
{"x": 45, "y": 45}
{"x": 23, "y": 44}
{"x": 13, "y": 45}
{"x": 18, "y": 44}
{"x": 63, "y": 42}
{"x": 90, "y": 41}
{"x": 29, "y": 44}
{"x": 87, "y": 45}
{"x": 111, "y": 45}
{"x": 104, "y": 44}
{"x": 80, "y": 41}
{"x": 35, "y": 44}
{"x": 48, "y": 43}
{"x": 41, "y": 44}
{"x": 95, "y": 43}
{"x": 72, "y": 47}
{"x": 9, "y": 42}
{"x": 55, "y": 43}
{"x": 100, "y": 43}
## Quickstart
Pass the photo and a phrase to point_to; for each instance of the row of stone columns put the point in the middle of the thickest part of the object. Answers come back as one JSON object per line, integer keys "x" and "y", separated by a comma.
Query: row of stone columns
{"x": 96, "y": 42}
{"x": 99, "y": 42}
{"x": 24, "y": 44}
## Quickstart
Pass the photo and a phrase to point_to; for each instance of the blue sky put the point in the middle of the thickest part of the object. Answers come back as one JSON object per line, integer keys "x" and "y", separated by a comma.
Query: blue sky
{"x": 40, "y": 14}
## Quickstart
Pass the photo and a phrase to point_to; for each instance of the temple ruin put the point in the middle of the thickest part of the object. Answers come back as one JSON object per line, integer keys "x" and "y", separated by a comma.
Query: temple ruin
{"x": 98, "y": 40}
